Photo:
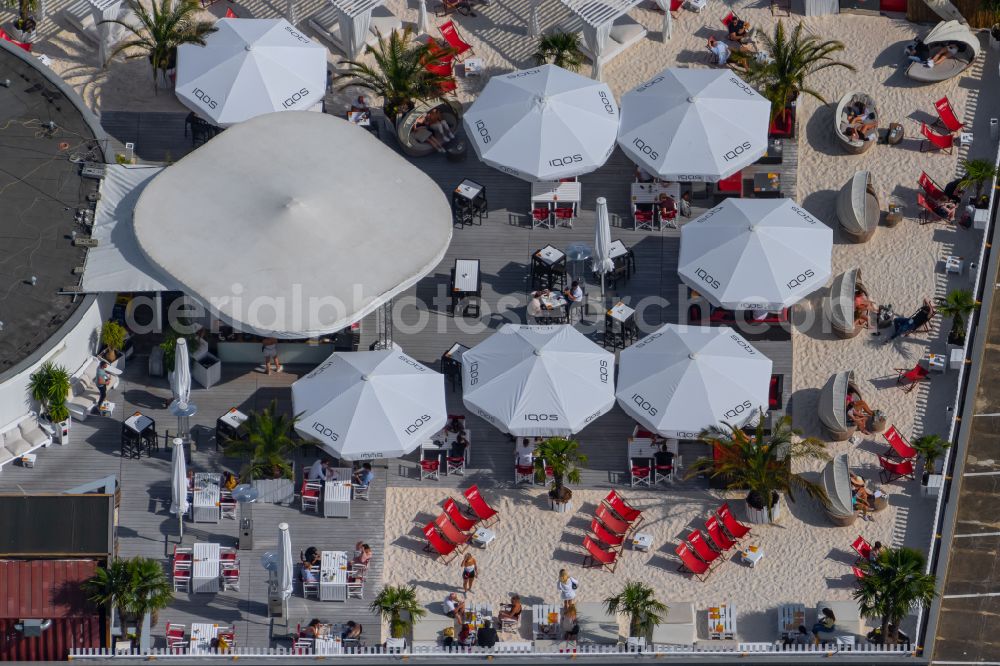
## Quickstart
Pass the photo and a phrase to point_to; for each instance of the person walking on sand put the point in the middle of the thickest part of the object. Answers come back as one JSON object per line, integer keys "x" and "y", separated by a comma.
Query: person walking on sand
{"x": 469, "y": 571}
{"x": 567, "y": 587}
{"x": 269, "y": 346}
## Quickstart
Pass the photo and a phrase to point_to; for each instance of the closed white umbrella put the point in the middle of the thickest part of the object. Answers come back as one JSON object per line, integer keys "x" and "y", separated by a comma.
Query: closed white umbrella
{"x": 423, "y": 20}
{"x": 182, "y": 373}
{"x": 178, "y": 484}
{"x": 373, "y": 404}
{"x": 682, "y": 379}
{"x": 694, "y": 124}
{"x": 543, "y": 123}
{"x": 755, "y": 254}
{"x": 602, "y": 243}
{"x": 538, "y": 381}
{"x": 250, "y": 67}
{"x": 285, "y": 565}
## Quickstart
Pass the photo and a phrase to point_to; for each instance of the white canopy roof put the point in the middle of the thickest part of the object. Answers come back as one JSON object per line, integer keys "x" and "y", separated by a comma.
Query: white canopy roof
{"x": 598, "y": 16}
{"x": 293, "y": 224}
{"x": 953, "y": 31}
{"x": 355, "y": 18}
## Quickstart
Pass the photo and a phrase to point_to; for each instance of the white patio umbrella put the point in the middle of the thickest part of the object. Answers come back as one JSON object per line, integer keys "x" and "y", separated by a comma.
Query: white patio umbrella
{"x": 682, "y": 379}
{"x": 250, "y": 67}
{"x": 602, "y": 243}
{"x": 538, "y": 380}
{"x": 178, "y": 485}
{"x": 755, "y": 254}
{"x": 543, "y": 123}
{"x": 694, "y": 124}
{"x": 182, "y": 373}
{"x": 285, "y": 566}
{"x": 373, "y": 404}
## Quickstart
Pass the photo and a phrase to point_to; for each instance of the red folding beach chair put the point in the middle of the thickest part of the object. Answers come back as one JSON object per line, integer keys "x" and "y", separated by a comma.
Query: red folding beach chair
{"x": 617, "y": 503}
{"x": 446, "y": 551}
{"x": 479, "y": 507}
{"x": 736, "y": 529}
{"x": 895, "y": 470}
{"x": 450, "y": 532}
{"x": 907, "y": 379}
{"x": 858, "y": 573}
{"x": 862, "y": 548}
{"x": 946, "y": 116}
{"x": 718, "y": 537}
{"x": 607, "y": 539}
{"x": 927, "y": 211}
{"x": 614, "y": 524}
{"x": 690, "y": 563}
{"x": 701, "y": 548}
{"x": 935, "y": 141}
{"x": 461, "y": 522}
{"x": 597, "y": 556}
{"x": 450, "y": 33}
{"x": 727, "y": 18}
{"x": 898, "y": 445}
{"x": 930, "y": 188}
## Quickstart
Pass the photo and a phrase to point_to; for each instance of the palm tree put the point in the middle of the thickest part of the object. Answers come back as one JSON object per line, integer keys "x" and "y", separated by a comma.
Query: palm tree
{"x": 268, "y": 439}
{"x": 637, "y": 600}
{"x": 400, "y": 75}
{"x": 132, "y": 587}
{"x": 761, "y": 462}
{"x": 564, "y": 457}
{"x": 392, "y": 602}
{"x": 977, "y": 173}
{"x": 795, "y": 57}
{"x": 159, "y": 32}
{"x": 562, "y": 49}
{"x": 957, "y": 305}
{"x": 893, "y": 585}
{"x": 931, "y": 447}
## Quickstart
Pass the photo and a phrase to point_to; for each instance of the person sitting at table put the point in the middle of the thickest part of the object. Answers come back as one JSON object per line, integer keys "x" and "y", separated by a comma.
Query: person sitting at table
{"x": 448, "y": 640}
{"x": 453, "y": 607}
{"x": 667, "y": 206}
{"x": 570, "y": 626}
{"x": 362, "y": 553}
{"x": 513, "y": 611}
{"x": 364, "y": 476}
{"x": 535, "y": 310}
{"x": 664, "y": 458}
{"x": 317, "y": 471}
{"x": 456, "y": 425}
{"x": 459, "y": 446}
{"x": 799, "y": 638}
{"x": 360, "y": 105}
{"x": 467, "y": 636}
{"x": 487, "y": 636}
{"x": 525, "y": 454}
{"x": 229, "y": 481}
{"x": 573, "y": 295}
{"x": 422, "y": 133}
{"x": 314, "y": 629}
{"x": 352, "y": 630}
{"x": 311, "y": 556}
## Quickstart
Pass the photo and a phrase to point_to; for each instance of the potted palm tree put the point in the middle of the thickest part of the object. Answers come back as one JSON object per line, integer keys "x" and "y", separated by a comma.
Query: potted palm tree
{"x": 23, "y": 27}
{"x": 957, "y": 304}
{"x": 559, "y": 48}
{"x": 793, "y": 59}
{"x": 158, "y": 33}
{"x": 113, "y": 336}
{"x": 268, "y": 439}
{"x": 399, "y": 73}
{"x": 977, "y": 173}
{"x": 761, "y": 463}
{"x": 931, "y": 447}
{"x": 398, "y": 605}
{"x": 50, "y": 386}
{"x": 132, "y": 588}
{"x": 893, "y": 585}
{"x": 638, "y": 601}
{"x": 563, "y": 457}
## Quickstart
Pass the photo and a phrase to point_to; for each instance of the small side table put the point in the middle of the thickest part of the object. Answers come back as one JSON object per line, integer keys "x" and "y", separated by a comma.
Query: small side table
{"x": 642, "y": 542}
{"x": 107, "y": 408}
{"x": 965, "y": 138}
{"x": 895, "y": 134}
{"x": 752, "y": 555}
{"x": 28, "y": 460}
{"x": 894, "y": 214}
{"x": 473, "y": 67}
{"x": 936, "y": 362}
{"x": 953, "y": 264}
{"x": 483, "y": 537}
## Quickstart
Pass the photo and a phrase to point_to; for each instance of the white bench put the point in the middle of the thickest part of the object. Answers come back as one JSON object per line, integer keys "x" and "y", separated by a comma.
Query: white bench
{"x": 678, "y": 627}
{"x": 83, "y": 395}
{"x": 427, "y": 631}
{"x": 625, "y": 32}
{"x": 848, "y": 620}
{"x": 22, "y": 437}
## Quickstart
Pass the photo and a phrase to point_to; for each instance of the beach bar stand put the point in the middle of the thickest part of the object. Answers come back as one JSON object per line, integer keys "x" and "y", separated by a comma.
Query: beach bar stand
{"x": 833, "y": 405}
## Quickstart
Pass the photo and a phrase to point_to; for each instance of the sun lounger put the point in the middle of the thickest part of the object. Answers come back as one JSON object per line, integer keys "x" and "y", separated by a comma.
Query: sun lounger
{"x": 479, "y": 507}
{"x": 624, "y": 33}
{"x": 858, "y": 207}
{"x": 678, "y": 627}
{"x": 841, "y": 123}
{"x": 891, "y": 471}
{"x": 833, "y": 405}
{"x": 898, "y": 446}
{"x": 862, "y": 548}
{"x": 690, "y": 563}
{"x": 450, "y": 532}
{"x": 607, "y": 540}
{"x": 840, "y": 308}
{"x": 435, "y": 543}
{"x": 934, "y": 141}
{"x": 614, "y": 524}
{"x": 719, "y": 538}
{"x": 460, "y": 47}
{"x": 597, "y": 626}
{"x": 701, "y": 548}
{"x": 837, "y": 484}
{"x": 461, "y": 522}
{"x": 930, "y": 188}
{"x": 908, "y": 379}
{"x": 848, "y": 620}
{"x": 450, "y": 112}
{"x": 736, "y": 529}
{"x": 944, "y": 32}
{"x": 617, "y": 503}
{"x": 946, "y": 116}
{"x": 597, "y": 556}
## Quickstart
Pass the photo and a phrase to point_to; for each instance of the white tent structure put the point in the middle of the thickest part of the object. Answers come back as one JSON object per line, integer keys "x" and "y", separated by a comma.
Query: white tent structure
{"x": 543, "y": 123}
{"x": 275, "y": 235}
{"x": 680, "y": 379}
{"x": 694, "y": 124}
{"x": 541, "y": 381}
{"x": 373, "y": 404}
{"x": 250, "y": 67}
{"x": 755, "y": 254}
{"x": 107, "y": 33}
{"x": 607, "y": 30}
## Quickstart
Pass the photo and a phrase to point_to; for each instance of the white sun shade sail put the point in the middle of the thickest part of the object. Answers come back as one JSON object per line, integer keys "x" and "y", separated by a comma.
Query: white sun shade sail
{"x": 681, "y": 379}
{"x": 538, "y": 381}
{"x": 755, "y": 254}
{"x": 250, "y": 67}
{"x": 293, "y": 224}
{"x": 366, "y": 405}
{"x": 543, "y": 123}
{"x": 694, "y": 124}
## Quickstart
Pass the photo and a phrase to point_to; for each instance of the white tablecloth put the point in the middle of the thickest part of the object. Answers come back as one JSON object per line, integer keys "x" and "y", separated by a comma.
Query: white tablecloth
{"x": 549, "y": 192}
{"x": 650, "y": 192}
{"x": 467, "y": 275}
{"x": 205, "y": 507}
{"x": 202, "y": 634}
{"x": 205, "y": 568}
{"x": 333, "y": 575}
{"x": 337, "y": 498}
{"x": 549, "y": 255}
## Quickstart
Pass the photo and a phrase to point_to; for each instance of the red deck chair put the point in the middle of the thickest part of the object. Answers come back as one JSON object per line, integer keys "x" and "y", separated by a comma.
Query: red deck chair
{"x": 617, "y": 503}
{"x": 898, "y": 445}
{"x": 614, "y": 524}
{"x": 701, "y": 548}
{"x": 446, "y": 551}
{"x": 480, "y": 508}
{"x": 450, "y": 532}
{"x": 858, "y": 573}
{"x": 718, "y": 537}
{"x": 946, "y": 116}
{"x": 930, "y": 188}
{"x": 862, "y": 548}
{"x": 597, "y": 556}
{"x": 895, "y": 470}
{"x": 934, "y": 141}
{"x": 732, "y": 185}
{"x": 927, "y": 212}
{"x": 727, "y": 18}
{"x": 907, "y": 379}
{"x": 461, "y": 522}
{"x": 691, "y": 563}
{"x": 450, "y": 33}
{"x": 736, "y": 529}
{"x": 607, "y": 539}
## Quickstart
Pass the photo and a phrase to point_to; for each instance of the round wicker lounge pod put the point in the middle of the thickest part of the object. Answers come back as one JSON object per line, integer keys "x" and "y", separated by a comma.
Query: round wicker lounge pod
{"x": 836, "y": 481}
{"x": 833, "y": 405}
{"x": 840, "y": 122}
{"x": 839, "y": 305}
{"x": 858, "y": 207}
{"x": 946, "y": 32}
{"x": 450, "y": 110}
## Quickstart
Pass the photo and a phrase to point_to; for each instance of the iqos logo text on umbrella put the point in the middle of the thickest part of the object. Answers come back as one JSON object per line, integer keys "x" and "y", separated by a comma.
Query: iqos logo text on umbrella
{"x": 800, "y": 279}
{"x": 204, "y": 98}
{"x": 608, "y": 106}
{"x": 541, "y": 417}
{"x": 743, "y": 343}
{"x": 737, "y": 410}
{"x": 646, "y": 340}
{"x": 645, "y": 148}
{"x": 736, "y": 151}
{"x": 486, "y": 415}
{"x": 605, "y": 374}
{"x": 592, "y": 416}
{"x": 484, "y": 132}
{"x": 297, "y": 35}
{"x": 566, "y": 160}
{"x": 417, "y": 425}
{"x": 320, "y": 370}
{"x": 325, "y": 431}
{"x": 742, "y": 86}
{"x": 416, "y": 365}
{"x": 707, "y": 278}
{"x": 649, "y": 84}
{"x": 804, "y": 215}
{"x": 474, "y": 373}
{"x": 644, "y": 404}
{"x": 295, "y": 98}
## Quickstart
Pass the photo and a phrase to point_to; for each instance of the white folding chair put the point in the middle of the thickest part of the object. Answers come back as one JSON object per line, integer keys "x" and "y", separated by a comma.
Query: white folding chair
{"x": 230, "y": 577}
{"x": 355, "y": 589}
{"x": 640, "y": 474}
{"x": 310, "y": 588}
{"x": 182, "y": 578}
{"x": 456, "y": 465}
{"x": 524, "y": 474}
{"x": 311, "y": 493}
{"x": 361, "y": 492}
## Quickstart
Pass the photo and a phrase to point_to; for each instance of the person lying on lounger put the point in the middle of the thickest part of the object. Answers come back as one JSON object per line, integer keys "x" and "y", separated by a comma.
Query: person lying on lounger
{"x": 946, "y": 52}
{"x": 906, "y": 325}
{"x": 945, "y": 209}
